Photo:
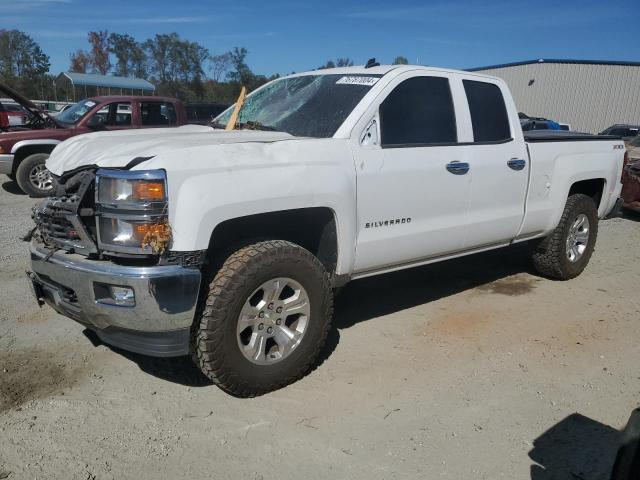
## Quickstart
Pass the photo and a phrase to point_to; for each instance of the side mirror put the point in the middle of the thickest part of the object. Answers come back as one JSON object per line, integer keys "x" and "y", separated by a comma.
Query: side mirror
{"x": 95, "y": 123}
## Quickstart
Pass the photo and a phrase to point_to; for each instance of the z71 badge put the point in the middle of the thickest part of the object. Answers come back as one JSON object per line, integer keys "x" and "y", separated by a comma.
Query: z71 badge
{"x": 387, "y": 223}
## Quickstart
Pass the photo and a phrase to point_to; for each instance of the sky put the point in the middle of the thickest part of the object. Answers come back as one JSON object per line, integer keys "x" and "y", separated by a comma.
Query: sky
{"x": 286, "y": 35}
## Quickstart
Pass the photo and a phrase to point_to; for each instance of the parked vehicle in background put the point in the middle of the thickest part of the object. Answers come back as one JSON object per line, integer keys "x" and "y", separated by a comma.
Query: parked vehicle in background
{"x": 227, "y": 245}
{"x": 25, "y": 149}
{"x": 631, "y": 176}
{"x": 631, "y": 186}
{"x": 17, "y": 114}
{"x": 5, "y": 119}
{"x": 203, "y": 113}
{"x": 627, "y": 132}
{"x": 539, "y": 123}
{"x": 64, "y": 107}
{"x": 633, "y": 148}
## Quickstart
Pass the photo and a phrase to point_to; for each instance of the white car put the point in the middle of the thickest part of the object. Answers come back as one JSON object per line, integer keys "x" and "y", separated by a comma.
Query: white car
{"x": 227, "y": 245}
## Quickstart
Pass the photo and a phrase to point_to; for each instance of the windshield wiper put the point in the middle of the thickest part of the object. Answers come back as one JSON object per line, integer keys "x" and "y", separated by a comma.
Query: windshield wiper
{"x": 249, "y": 125}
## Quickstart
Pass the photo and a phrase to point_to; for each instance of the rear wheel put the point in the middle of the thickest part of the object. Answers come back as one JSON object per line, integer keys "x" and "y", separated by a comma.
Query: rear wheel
{"x": 266, "y": 317}
{"x": 33, "y": 177}
{"x": 565, "y": 253}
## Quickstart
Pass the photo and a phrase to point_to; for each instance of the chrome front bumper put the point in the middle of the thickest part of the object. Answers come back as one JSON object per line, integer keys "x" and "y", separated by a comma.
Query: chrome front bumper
{"x": 165, "y": 299}
{"x": 6, "y": 163}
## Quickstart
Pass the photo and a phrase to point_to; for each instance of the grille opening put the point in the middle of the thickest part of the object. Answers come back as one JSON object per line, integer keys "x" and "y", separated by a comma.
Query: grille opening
{"x": 56, "y": 217}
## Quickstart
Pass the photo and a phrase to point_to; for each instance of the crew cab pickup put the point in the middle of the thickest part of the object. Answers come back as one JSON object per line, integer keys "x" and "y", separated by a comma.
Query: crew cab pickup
{"x": 25, "y": 148}
{"x": 228, "y": 244}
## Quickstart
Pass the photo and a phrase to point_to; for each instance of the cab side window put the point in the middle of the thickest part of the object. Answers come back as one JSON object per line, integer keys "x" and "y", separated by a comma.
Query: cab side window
{"x": 158, "y": 113}
{"x": 419, "y": 111}
{"x": 489, "y": 116}
{"x": 115, "y": 114}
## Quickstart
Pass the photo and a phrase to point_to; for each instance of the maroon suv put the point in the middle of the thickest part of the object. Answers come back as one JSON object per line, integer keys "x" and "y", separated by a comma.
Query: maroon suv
{"x": 24, "y": 149}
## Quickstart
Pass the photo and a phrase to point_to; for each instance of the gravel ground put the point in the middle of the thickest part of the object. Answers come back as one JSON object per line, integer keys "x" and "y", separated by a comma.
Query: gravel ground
{"x": 472, "y": 368}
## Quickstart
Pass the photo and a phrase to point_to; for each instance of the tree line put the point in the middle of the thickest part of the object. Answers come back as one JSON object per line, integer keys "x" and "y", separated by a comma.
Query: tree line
{"x": 178, "y": 67}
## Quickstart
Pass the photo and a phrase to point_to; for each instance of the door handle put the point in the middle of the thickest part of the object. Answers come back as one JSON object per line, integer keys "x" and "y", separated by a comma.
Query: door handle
{"x": 458, "y": 168}
{"x": 516, "y": 164}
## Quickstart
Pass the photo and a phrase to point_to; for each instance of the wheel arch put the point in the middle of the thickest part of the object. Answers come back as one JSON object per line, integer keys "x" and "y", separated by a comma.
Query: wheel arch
{"x": 592, "y": 187}
{"x": 24, "y": 148}
{"x": 313, "y": 228}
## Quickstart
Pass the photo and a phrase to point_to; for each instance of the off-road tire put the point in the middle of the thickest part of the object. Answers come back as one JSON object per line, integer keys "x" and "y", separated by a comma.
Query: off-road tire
{"x": 22, "y": 175}
{"x": 215, "y": 348}
{"x": 550, "y": 256}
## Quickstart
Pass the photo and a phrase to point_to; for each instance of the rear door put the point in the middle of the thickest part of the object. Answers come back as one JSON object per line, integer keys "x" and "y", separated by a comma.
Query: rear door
{"x": 499, "y": 164}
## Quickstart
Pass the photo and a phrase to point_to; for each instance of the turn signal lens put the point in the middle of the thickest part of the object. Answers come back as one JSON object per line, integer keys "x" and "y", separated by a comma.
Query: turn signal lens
{"x": 148, "y": 191}
{"x": 117, "y": 187}
{"x": 156, "y": 229}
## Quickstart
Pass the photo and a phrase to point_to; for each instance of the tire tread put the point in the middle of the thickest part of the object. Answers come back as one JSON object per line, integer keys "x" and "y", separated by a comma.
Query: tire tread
{"x": 225, "y": 286}
{"x": 548, "y": 254}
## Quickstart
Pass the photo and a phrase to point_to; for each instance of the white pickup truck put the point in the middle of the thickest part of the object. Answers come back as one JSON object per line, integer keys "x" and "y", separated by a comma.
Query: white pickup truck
{"x": 227, "y": 245}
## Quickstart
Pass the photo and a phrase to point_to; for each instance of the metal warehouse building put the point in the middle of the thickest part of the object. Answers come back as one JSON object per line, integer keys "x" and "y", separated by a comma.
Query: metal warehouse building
{"x": 588, "y": 95}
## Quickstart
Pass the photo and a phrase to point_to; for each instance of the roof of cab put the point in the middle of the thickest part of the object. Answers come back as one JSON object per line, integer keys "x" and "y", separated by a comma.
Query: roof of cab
{"x": 385, "y": 69}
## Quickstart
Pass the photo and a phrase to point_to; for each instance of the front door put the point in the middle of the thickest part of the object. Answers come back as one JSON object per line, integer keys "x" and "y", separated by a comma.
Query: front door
{"x": 413, "y": 179}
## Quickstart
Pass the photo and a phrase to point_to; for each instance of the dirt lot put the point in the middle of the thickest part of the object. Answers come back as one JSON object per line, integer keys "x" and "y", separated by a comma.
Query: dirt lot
{"x": 472, "y": 368}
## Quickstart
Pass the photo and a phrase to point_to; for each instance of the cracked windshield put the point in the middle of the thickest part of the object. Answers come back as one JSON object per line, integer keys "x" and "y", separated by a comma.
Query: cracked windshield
{"x": 305, "y": 106}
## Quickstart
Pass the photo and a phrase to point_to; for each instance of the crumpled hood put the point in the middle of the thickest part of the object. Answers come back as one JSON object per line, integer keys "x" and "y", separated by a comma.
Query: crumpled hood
{"x": 117, "y": 149}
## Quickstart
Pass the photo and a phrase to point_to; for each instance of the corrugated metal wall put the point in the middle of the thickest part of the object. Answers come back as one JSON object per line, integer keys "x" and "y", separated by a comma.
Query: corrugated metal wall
{"x": 590, "y": 97}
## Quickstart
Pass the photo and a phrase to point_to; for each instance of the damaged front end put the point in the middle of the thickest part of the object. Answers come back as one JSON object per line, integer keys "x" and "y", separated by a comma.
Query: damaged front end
{"x": 100, "y": 254}
{"x": 66, "y": 221}
{"x": 107, "y": 213}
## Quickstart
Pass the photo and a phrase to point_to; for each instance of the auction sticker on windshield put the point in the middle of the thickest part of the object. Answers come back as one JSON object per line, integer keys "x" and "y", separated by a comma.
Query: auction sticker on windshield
{"x": 368, "y": 81}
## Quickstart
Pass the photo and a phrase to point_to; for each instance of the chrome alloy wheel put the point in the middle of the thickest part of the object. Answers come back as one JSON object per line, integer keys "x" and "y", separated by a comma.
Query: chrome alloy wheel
{"x": 273, "y": 321}
{"x": 40, "y": 177}
{"x": 578, "y": 238}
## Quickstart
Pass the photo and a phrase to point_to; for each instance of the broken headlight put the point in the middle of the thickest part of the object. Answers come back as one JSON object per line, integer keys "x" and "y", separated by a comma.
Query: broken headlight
{"x": 131, "y": 211}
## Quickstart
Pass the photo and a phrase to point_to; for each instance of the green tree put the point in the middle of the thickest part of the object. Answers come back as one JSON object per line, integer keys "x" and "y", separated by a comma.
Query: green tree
{"x": 159, "y": 50}
{"x": 241, "y": 72}
{"x": 130, "y": 56}
{"x": 340, "y": 62}
{"x": 401, "y": 61}
{"x": 99, "y": 52}
{"x": 23, "y": 64}
{"x": 79, "y": 61}
{"x": 344, "y": 62}
{"x": 219, "y": 65}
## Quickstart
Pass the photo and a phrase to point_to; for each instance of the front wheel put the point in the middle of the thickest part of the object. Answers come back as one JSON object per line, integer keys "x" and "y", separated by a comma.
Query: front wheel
{"x": 565, "y": 253}
{"x": 266, "y": 317}
{"x": 33, "y": 177}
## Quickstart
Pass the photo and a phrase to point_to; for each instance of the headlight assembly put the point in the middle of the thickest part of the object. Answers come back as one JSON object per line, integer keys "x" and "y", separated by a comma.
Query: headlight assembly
{"x": 131, "y": 208}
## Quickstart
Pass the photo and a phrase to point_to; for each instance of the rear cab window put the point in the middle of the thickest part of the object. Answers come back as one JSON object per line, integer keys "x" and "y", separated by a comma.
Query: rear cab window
{"x": 489, "y": 117}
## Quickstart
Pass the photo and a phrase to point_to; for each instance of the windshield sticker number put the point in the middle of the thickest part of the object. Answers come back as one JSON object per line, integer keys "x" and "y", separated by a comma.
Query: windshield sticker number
{"x": 367, "y": 81}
